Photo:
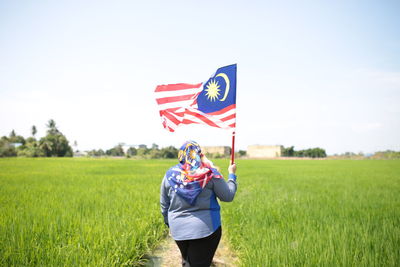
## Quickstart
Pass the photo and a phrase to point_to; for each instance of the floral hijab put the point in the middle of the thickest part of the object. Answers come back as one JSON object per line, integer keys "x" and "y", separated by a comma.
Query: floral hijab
{"x": 191, "y": 175}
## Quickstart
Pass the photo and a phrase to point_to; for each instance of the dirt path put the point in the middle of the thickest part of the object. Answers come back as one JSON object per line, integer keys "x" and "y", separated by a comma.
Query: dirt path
{"x": 168, "y": 255}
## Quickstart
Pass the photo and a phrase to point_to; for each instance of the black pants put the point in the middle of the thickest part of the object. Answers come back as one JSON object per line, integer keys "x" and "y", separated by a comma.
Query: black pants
{"x": 199, "y": 252}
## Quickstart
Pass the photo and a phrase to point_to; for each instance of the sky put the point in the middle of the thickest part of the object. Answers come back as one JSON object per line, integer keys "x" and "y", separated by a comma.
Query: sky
{"x": 310, "y": 73}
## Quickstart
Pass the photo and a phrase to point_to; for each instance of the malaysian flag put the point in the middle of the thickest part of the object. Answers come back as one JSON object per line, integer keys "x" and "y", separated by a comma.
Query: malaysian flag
{"x": 212, "y": 103}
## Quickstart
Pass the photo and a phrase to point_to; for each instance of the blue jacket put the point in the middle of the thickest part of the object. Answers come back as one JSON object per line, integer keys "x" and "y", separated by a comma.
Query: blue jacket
{"x": 188, "y": 222}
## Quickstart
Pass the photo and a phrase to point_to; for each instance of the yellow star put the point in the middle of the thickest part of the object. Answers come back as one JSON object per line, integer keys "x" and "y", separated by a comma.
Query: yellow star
{"x": 212, "y": 90}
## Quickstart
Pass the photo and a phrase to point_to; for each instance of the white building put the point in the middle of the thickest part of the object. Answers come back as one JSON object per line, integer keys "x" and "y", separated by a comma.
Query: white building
{"x": 258, "y": 151}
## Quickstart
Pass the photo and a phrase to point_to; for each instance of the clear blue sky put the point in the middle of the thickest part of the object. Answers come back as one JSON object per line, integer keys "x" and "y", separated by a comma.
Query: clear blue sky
{"x": 310, "y": 73}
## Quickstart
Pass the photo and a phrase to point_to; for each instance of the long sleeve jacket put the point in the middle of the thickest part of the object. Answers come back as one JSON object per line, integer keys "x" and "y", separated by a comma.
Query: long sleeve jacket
{"x": 188, "y": 222}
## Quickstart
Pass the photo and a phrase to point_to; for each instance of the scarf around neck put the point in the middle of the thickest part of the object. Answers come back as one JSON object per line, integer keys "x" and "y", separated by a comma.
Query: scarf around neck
{"x": 191, "y": 174}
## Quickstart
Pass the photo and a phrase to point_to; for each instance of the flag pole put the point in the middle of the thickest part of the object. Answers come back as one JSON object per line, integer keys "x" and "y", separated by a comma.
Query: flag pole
{"x": 233, "y": 148}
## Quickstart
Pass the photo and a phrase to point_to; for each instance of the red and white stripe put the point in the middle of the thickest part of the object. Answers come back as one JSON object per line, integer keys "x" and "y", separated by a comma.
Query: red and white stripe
{"x": 173, "y": 96}
{"x": 177, "y": 105}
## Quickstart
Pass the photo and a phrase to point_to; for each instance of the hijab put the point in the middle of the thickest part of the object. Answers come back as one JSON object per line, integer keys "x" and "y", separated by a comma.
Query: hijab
{"x": 192, "y": 173}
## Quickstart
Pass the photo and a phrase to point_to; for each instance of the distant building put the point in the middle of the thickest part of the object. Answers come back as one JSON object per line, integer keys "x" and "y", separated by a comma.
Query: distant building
{"x": 80, "y": 153}
{"x": 221, "y": 150}
{"x": 257, "y": 151}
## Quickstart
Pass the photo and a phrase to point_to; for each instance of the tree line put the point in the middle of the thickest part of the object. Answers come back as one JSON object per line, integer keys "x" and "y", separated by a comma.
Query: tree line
{"x": 388, "y": 154}
{"x": 53, "y": 144}
{"x": 141, "y": 152}
{"x": 306, "y": 153}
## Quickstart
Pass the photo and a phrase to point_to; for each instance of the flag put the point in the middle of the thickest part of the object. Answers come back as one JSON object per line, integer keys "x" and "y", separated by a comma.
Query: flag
{"x": 212, "y": 103}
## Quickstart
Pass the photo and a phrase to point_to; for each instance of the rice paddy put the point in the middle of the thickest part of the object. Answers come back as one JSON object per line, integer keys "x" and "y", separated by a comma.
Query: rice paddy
{"x": 105, "y": 212}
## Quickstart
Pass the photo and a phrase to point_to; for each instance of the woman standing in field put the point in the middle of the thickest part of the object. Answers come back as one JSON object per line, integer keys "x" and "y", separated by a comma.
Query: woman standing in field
{"x": 189, "y": 204}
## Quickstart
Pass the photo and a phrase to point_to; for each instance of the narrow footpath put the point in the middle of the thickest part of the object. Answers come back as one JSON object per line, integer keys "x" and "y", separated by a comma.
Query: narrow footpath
{"x": 167, "y": 254}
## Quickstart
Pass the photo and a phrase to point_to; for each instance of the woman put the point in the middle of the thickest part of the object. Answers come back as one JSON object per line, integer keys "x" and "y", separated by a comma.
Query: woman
{"x": 189, "y": 204}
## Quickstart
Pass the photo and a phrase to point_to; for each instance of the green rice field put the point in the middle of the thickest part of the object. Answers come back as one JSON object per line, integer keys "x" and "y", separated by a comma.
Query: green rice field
{"x": 105, "y": 212}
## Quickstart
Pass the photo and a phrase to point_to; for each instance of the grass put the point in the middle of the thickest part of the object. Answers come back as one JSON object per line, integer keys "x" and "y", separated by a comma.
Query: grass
{"x": 105, "y": 212}
{"x": 316, "y": 213}
{"x": 74, "y": 212}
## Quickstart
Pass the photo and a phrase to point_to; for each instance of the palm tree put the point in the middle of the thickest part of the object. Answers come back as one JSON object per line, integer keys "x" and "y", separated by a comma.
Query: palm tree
{"x": 34, "y": 131}
{"x": 52, "y": 128}
{"x": 46, "y": 146}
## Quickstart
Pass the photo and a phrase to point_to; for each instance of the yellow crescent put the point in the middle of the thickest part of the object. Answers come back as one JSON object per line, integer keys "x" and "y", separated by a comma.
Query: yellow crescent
{"x": 223, "y": 75}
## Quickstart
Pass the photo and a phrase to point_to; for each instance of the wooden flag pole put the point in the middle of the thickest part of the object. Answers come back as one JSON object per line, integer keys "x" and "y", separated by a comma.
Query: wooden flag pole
{"x": 233, "y": 148}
